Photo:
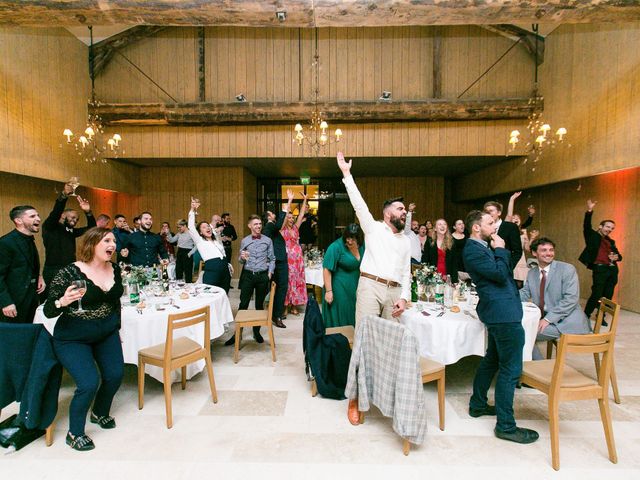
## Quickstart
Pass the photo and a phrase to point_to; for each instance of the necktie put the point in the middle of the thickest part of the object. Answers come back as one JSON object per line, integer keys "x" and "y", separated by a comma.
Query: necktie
{"x": 543, "y": 282}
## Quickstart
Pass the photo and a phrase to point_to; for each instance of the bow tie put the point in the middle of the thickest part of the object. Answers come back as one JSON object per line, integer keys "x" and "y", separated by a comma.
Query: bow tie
{"x": 70, "y": 230}
{"x": 256, "y": 237}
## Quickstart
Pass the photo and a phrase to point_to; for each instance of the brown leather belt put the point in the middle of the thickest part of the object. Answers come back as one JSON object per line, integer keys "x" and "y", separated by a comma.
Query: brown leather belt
{"x": 388, "y": 283}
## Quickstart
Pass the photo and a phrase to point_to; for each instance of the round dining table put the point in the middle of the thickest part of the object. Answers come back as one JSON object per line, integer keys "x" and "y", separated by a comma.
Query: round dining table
{"x": 146, "y": 327}
{"x": 446, "y": 337}
{"x": 313, "y": 276}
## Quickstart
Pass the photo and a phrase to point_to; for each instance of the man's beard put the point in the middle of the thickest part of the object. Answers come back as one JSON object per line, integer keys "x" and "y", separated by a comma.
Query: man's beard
{"x": 398, "y": 222}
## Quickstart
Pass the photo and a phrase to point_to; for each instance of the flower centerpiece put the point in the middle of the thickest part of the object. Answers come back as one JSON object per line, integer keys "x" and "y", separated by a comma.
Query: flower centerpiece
{"x": 313, "y": 257}
{"x": 426, "y": 274}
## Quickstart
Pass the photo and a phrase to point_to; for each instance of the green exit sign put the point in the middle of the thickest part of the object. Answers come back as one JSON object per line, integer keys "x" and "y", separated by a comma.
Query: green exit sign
{"x": 305, "y": 180}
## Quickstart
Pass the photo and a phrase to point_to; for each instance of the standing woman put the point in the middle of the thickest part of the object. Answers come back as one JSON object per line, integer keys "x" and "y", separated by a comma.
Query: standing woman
{"x": 209, "y": 244}
{"x": 86, "y": 295}
{"x": 297, "y": 291}
{"x": 184, "y": 252}
{"x": 459, "y": 240}
{"x": 423, "y": 237}
{"x": 438, "y": 252}
{"x": 341, "y": 272}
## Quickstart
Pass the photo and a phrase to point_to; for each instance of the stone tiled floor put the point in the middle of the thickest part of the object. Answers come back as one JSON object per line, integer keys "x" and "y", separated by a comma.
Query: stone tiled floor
{"x": 266, "y": 425}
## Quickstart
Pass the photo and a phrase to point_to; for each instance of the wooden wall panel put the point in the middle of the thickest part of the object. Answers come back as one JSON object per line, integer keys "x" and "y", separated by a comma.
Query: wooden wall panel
{"x": 426, "y": 192}
{"x": 44, "y": 87}
{"x": 590, "y": 83}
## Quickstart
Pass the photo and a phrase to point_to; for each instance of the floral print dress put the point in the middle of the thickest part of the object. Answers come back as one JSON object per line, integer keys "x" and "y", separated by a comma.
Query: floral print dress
{"x": 297, "y": 291}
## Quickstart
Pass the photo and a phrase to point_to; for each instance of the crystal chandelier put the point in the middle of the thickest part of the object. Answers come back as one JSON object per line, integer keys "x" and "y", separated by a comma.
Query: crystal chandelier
{"x": 91, "y": 144}
{"x": 317, "y": 134}
{"x": 538, "y": 134}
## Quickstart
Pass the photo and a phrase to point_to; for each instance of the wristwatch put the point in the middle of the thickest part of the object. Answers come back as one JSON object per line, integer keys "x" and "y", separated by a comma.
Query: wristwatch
{"x": 57, "y": 304}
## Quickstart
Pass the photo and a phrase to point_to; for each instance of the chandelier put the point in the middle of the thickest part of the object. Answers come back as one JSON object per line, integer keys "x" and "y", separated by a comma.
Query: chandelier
{"x": 92, "y": 144}
{"x": 539, "y": 137}
{"x": 317, "y": 134}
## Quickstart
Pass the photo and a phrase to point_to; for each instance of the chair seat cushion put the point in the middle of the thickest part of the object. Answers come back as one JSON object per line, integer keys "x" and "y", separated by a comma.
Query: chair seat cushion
{"x": 181, "y": 346}
{"x": 542, "y": 371}
{"x": 429, "y": 366}
{"x": 348, "y": 331}
{"x": 251, "y": 316}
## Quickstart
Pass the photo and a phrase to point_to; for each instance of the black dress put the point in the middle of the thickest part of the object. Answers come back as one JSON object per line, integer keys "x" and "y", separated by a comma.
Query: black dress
{"x": 456, "y": 253}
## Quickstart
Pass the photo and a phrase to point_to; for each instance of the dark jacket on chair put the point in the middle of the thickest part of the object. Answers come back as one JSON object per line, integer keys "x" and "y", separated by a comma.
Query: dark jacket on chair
{"x": 29, "y": 373}
{"x": 326, "y": 357}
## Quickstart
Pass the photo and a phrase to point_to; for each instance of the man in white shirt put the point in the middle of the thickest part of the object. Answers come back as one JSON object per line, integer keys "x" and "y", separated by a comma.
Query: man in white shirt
{"x": 554, "y": 287}
{"x": 411, "y": 229}
{"x": 385, "y": 271}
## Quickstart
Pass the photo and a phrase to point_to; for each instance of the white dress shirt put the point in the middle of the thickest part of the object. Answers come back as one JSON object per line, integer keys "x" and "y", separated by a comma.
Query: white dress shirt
{"x": 416, "y": 246}
{"x": 207, "y": 249}
{"x": 386, "y": 254}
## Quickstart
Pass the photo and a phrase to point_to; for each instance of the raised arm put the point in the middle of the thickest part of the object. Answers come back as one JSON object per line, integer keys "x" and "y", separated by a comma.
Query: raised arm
{"x": 512, "y": 202}
{"x": 303, "y": 211}
{"x": 359, "y": 205}
{"x": 586, "y": 224}
{"x": 407, "y": 223}
{"x": 191, "y": 223}
{"x": 58, "y": 208}
{"x": 91, "y": 221}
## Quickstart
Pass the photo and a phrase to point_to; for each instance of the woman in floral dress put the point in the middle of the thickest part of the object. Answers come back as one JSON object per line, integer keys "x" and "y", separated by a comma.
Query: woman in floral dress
{"x": 297, "y": 291}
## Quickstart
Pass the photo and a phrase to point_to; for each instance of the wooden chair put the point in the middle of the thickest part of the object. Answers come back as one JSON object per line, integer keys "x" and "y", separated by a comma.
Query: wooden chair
{"x": 430, "y": 371}
{"x": 200, "y": 268}
{"x": 348, "y": 331}
{"x": 613, "y": 309}
{"x": 178, "y": 353}
{"x": 563, "y": 383}
{"x": 256, "y": 318}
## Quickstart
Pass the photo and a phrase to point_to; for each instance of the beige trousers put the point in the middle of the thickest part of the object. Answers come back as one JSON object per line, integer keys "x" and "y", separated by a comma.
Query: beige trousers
{"x": 374, "y": 298}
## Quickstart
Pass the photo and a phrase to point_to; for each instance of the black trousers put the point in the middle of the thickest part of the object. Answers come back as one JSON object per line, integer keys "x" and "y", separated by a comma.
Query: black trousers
{"x": 605, "y": 278}
{"x": 26, "y": 308}
{"x": 216, "y": 272}
{"x": 250, "y": 282}
{"x": 281, "y": 278}
{"x": 184, "y": 265}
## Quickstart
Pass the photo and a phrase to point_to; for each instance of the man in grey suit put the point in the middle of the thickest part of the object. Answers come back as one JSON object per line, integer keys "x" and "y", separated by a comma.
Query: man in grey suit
{"x": 560, "y": 301}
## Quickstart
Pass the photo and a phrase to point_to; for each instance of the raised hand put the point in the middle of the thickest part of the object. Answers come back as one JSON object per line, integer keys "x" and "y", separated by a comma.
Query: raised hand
{"x": 195, "y": 204}
{"x": 304, "y": 196}
{"x": 590, "y": 205}
{"x": 84, "y": 204}
{"x": 290, "y": 195}
{"x": 515, "y": 195}
{"x": 343, "y": 165}
{"x": 67, "y": 189}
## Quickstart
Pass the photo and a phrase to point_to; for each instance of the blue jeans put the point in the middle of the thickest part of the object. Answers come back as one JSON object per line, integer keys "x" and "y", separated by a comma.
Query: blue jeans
{"x": 80, "y": 360}
{"x": 504, "y": 356}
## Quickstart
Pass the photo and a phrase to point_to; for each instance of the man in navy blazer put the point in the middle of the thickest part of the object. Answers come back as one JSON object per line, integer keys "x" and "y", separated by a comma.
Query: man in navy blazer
{"x": 500, "y": 310}
{"x": 560, "y": 302}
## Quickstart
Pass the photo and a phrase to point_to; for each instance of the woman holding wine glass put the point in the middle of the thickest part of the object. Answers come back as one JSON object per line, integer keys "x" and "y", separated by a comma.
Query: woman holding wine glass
{"x": 86, "y": 297}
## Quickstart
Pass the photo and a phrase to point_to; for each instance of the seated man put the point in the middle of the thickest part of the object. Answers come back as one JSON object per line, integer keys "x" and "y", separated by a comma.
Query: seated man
{"x": 560, "y": 301}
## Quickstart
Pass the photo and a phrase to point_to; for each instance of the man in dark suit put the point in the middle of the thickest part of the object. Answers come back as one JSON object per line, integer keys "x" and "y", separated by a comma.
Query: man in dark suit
{"x": 500, "y": 310}
{"x": 601, "y": 256}
{"x": 281, "y": 274}
{"x": 508, "y": 231}
{"x": 20, "y": 279}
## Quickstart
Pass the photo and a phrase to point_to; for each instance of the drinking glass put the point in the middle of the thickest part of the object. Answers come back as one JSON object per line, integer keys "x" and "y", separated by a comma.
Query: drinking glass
{"x": 421, "y": 290}
{"x": 75, "y": 183}
{"x": 81, "y": 286}
{"x": 194, "y": 199}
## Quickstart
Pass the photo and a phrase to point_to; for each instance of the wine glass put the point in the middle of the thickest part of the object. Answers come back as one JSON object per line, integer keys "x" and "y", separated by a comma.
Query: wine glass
{"x": 422, "y": 288}
{"x": 81, "y": 286}
{"x": 75, "y": 183}
{"x": 194, "y": 199}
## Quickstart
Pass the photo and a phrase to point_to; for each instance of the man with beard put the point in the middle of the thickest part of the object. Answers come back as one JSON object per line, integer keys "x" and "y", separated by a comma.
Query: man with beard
{"x": 121, "y": 230}
{"x": 59, "y": 233}
{"x": 20, "y": 279}
{"x": 488, "y": 263}
{"x": 143, "y": 248}
{"x": 385, "y": 272}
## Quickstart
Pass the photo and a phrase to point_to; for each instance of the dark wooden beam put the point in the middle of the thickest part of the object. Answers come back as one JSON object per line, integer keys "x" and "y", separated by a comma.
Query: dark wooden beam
{"x": 103, "y": 51}
{"x": 277, "y": 113}
{"x": 437, "y": 62}
{"x": 201, "y": 76}
{"x": 527, "y": 39}
{"x": 313, "y": 13}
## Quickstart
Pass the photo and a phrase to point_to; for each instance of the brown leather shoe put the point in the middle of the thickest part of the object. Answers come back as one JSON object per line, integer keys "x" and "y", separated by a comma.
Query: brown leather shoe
{"x": 278, "y": 323}
{"x": 352, "y": 413}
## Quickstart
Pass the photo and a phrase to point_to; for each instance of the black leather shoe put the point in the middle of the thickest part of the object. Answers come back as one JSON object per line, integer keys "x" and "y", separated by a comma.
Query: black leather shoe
{"x": 82, "y": 443}
{"x": 479, "y": 412}
{"x": 231, "y": 341}
{"x": 278, "y": 323}
{"x": 519, "y": 435}
{"x": 105, "y": 421}
{"x": 604, "y": 323}
{"x": 256, "y": 335}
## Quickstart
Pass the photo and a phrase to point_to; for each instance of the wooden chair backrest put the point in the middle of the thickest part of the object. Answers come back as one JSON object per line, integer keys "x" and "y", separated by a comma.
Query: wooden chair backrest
{"x": 177, "y": 321}
{"x": 593, "y": 343}
{"x": 272, "y": 292}
{"x": 610, "y": 307}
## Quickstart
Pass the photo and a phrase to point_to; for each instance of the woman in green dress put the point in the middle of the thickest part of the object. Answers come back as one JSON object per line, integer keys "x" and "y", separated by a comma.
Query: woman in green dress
{"x": 341, "y": 271}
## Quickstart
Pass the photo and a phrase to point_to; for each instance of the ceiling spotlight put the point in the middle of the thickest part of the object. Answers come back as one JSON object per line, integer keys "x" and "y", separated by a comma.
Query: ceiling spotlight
{"x": 281, "y": 16}
{"x": 241, "y": 98}
{"x": 386, "y": 96}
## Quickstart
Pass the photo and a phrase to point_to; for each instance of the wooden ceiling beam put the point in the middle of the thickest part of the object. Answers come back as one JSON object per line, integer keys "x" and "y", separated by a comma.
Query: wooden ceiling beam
{"x": 103, "y": 51}
{"x": 313, "y": 13}
{"x": 527, "y": 39}
{"x": 278, "y": 113}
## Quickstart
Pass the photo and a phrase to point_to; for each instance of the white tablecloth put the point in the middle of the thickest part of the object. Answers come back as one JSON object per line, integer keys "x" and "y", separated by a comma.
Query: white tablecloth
{"x": 448, "y": 338}
{"x": 150, "y": 328}
{"x": 314, "y": 276}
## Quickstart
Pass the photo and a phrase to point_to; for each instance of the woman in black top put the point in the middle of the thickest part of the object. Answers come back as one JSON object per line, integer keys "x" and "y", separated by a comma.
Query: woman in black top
{"x": 87, "y": 337}
{"x": 459, "y": 240}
